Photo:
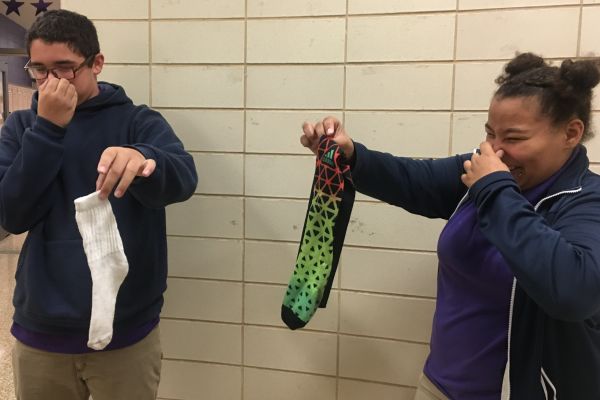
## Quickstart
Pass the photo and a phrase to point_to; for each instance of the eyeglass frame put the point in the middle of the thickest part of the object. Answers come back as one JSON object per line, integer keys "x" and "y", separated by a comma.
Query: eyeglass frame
{"x": 29, "y": 69}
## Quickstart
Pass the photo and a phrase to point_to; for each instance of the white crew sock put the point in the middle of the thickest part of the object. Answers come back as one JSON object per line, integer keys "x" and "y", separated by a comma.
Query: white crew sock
{"x": 108, "y": 264}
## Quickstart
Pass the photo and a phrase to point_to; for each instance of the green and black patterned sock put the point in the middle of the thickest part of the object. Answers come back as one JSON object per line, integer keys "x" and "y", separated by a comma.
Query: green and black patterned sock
{"x": 327, "y": 217}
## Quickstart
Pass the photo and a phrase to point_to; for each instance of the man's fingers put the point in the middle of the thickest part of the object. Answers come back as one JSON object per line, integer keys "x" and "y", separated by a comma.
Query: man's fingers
{"x": 118, "y": 167}
{"x": 110, "y": 180}
{"x": 42, "y": 87}
{"x": 500, "y": 154}
{"x": 103, "y": 183}
{"x": 71, "y": 92}
{"x": 147, "y": 168}
{"x": 100, "y": 181}
{"x": 113, "y": 171}
{"x": 129, "y": 172}
{"x": 51, "y": 83}
{"x": 72, "y": 95}
{"x": 106, "y": 160}
{"x": 63, "y": 86}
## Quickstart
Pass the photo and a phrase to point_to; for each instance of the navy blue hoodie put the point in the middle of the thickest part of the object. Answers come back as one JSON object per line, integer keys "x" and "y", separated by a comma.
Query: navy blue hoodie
{"x": 44, "y": 167}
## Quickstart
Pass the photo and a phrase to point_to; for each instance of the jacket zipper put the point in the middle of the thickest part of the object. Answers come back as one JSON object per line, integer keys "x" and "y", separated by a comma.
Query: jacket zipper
{"x": 547, "y": 380}
{"x": 505, "y": 394}
{"x": 459, "y": 204}
{"x": 570, "y": 191}
{"x": 506, "y": 389}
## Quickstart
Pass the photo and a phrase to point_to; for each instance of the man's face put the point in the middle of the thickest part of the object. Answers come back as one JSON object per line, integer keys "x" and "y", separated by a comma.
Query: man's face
{"x": 58, "y": 55}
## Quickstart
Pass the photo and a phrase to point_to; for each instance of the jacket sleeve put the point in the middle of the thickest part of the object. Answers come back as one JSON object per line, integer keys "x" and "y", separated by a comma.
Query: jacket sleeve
{"x": 30, "y": 159}
{"x": 431, "y": 188}
{"x": 558, "y": 266}
{"x": 174, "y": 178}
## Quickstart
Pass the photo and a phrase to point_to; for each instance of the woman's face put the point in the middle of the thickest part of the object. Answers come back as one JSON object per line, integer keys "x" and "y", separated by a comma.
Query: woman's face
{"x": 533, "y": 148}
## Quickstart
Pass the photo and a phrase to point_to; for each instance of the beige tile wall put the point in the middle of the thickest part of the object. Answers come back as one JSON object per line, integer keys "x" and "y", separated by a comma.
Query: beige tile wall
{"x": 236, "y": 79}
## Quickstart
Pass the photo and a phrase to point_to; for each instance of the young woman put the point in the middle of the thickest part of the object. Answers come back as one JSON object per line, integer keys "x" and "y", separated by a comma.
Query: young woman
{"x": 518, "y": 302}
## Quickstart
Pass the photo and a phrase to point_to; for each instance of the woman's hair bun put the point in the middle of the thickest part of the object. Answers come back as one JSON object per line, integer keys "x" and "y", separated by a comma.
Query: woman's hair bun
{"x": 581, "y": 75}
{"x": 522, "y": 63}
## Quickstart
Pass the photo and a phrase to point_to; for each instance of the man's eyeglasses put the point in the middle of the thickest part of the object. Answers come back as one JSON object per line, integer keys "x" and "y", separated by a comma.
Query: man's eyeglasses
{"x": 40, "y": 72}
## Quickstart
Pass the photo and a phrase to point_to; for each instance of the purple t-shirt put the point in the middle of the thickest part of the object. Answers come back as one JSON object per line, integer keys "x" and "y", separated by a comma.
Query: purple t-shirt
{"x": 469, "y": 340}
{"x": 77, "y": 343}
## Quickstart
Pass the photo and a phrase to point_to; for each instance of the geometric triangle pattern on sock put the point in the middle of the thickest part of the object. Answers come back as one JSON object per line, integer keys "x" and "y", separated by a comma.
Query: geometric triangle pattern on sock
{"x": 325, "y": 224}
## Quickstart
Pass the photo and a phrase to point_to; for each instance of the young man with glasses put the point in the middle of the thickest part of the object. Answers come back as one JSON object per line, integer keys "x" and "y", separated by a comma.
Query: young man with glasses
{"x": 81, "y": 136}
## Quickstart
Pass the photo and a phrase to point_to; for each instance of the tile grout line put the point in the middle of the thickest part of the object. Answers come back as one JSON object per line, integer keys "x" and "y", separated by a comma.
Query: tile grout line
{"x": 579, "y": 30}
{"x": 244, "y": 224}
{"x": 453, "y": 87}
{"x": 339, "y": 269}
{"x": 362, "y": 15}
{"x": 288, "y": 371}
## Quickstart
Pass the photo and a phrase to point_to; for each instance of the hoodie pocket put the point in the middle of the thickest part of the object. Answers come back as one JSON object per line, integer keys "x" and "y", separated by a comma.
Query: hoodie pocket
{"x": 54, "y": 285}
{"x": 70, "y": 282}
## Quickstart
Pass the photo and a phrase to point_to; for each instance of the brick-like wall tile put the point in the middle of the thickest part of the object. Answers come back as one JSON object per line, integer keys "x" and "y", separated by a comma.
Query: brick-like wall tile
{"x": 555, "y": 33}
{"x": 407, "y": 37}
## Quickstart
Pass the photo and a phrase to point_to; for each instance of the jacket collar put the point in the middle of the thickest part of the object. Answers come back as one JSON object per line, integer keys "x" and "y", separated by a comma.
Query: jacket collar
{"x": 572, "y": 175}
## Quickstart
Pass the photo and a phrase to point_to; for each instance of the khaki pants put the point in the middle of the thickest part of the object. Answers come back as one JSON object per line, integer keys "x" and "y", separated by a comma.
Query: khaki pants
{"x": 124, "y": 374}
{"x": 428, "y": 391}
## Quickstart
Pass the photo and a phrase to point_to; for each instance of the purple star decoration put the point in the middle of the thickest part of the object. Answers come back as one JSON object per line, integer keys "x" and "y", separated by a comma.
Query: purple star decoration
{"x": 13, "y": 6}
{"x": 41, "y": 6}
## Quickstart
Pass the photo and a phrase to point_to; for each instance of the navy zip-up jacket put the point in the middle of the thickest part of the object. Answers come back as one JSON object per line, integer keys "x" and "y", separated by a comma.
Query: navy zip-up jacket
{"x": 44, "y": 167}
{"x": 553, "y": 250}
